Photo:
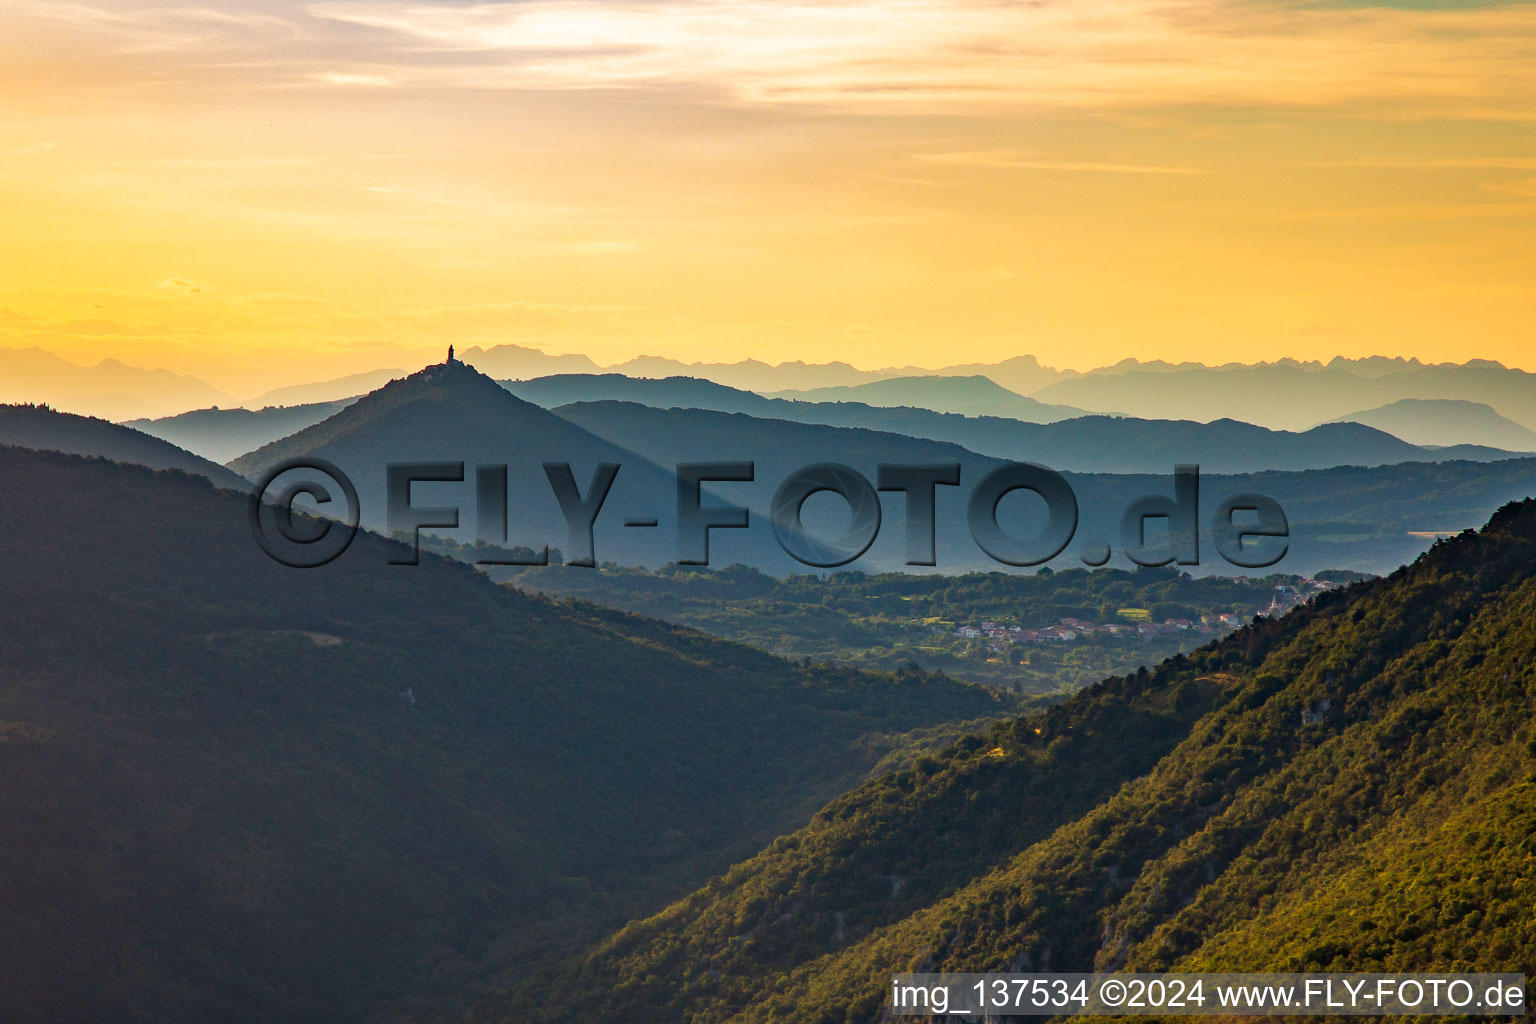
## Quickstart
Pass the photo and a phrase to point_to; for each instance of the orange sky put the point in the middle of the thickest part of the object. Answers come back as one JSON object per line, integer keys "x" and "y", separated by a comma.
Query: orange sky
{"x": 277, "y": 191}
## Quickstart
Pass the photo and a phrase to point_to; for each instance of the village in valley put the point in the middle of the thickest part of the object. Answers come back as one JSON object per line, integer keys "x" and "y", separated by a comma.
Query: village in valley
{"x": 1031, "y": 633}
{"x": 1135, "y": 623}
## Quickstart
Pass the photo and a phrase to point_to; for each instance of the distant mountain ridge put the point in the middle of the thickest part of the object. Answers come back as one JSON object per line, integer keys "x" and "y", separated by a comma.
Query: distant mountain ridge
{"x": 1123, "y": 444}
{"x": 1354, "y": 517}
{"x": 1292, "y": 395}
{"x": 335, "y": 390}
{"x": 1084, "y": 443}
{"x": 518, "y": 362}
{"x": 973, "y": 395}
{"x": 1287, "y": 394}
{"x": 678, "y": 392}
{"x": 457, "y": 414}
{"x": 109, "y": 389}
{"x": 1446, "y": 421}
{"x": 1022, "y": 373}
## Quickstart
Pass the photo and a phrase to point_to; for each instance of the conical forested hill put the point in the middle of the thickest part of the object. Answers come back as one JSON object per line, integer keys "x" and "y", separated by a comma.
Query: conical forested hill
{"x": 1351, "y": 787}
{"x": 450, "y": 412}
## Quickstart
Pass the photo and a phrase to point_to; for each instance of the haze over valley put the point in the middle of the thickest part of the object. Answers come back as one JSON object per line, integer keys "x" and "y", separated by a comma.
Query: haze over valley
{"x": 690, "y": 512}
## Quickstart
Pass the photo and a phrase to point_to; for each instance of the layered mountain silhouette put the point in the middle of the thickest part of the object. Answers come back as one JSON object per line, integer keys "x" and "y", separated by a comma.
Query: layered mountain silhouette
{"x": 1291, "y": 395}
{"x": 1089, "y": 444}
{"x": 1286, "y": 394}
{"x": 519, "y": 362}
{"x": 1446, "y": 421}
{"x": 1367, "y": 519}
{"x": 1101, "y": 444}
{"x": 1022, "y": 374}
{"x": 110, "y": 388}
{"x": 45, "y": 429}
{"x": 450, "y": 412}
{"x": 335, "y": 390}
{"x": 225, "y": 434}
{"x": 973, "y": 395}
{"x": 658, "y": 392}
{"x": 238, "y": 791}
{"x": 1372, "y": 520}
{"x": 1122, "y": 444}
{"x": 756, "y": 375}
{"x": 1348, "y": 788}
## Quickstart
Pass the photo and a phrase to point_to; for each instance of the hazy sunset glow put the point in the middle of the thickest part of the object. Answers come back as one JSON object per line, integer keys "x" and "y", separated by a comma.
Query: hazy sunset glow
{"x": 271, "y": 191}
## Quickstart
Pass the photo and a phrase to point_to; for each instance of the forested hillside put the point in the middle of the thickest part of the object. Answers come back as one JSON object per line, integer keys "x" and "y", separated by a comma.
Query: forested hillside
{"x": 233, "y": 790}
{"x": 1350, "y": 787}
{"x": 45, "y": 429}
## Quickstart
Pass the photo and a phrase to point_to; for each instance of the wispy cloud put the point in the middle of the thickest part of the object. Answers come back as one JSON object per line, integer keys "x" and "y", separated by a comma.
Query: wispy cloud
{"x": 1015, "y": 160}
{"x": 1404, "y": 212}
{"x": 1525, "y": 187}
{"x": 932, "y": 55}
{"x": 1511, "y": 163}
{"x": 353, "y": 78}
{"x": 1093, "y": 175}
{"x": 29, "y": 149}
{"x": 601, "y": 247}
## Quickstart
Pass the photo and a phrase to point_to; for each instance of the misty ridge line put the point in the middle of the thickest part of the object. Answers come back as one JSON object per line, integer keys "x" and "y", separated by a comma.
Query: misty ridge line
{"x": 1352, "y": 517}
{"x": 453, "y": 412}
{"x": 34, "y": 371}
{"x": 974, "y": 413}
